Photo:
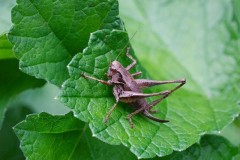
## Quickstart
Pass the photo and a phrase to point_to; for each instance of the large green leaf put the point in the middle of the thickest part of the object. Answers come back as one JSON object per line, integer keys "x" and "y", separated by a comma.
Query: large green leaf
{"x": 211, "y": 147}
{"x": 91, "y": 101}
{"x": 197, "y": 40}
{"x": 46, "y": 34}
{"x": 203, "y": 50}
{"x": 12, "y": 80}
{"x": 8, "y": 140}
{"x": 44, "y": 136}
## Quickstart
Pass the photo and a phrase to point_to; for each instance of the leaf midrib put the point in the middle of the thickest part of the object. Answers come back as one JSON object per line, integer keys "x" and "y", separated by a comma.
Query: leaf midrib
{"x": 78, "y": 141}
{"x": 56, "y": 35}
{"x": 51, "y": 29}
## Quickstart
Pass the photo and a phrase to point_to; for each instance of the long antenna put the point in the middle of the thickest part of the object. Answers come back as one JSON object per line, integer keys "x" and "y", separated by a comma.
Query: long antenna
{"x": 110, "y": 55}
{"x": 126, "y": 45}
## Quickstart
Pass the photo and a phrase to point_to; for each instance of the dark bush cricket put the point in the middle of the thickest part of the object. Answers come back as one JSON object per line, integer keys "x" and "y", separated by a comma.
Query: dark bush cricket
{"x": 128, "y": 90}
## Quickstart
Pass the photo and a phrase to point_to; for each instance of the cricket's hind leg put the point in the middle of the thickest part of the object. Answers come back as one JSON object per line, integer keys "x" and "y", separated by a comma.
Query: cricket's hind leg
{"x": 144, "y": 83}
{"x": 138, "y": 95}
{"x": 148, "y": 115}
{"x": 145, "y": 113}
{"x": 154, "y": 103}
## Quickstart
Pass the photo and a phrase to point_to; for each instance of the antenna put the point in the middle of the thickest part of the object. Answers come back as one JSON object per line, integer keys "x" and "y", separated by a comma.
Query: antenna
{"x": 126, "y": 45}
{"x": 110, "y": 55}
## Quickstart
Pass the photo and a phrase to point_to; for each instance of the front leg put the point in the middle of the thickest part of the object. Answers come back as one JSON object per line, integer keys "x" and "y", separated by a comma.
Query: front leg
{"x": 116, "y": 91}
{"x": 136, "y": 74}
{"x": 95, "y": 79}
{"x": 134, "y": 62}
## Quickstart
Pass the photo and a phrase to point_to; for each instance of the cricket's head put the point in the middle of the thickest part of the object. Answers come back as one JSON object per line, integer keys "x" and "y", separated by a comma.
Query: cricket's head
{"x": 113, "y": 69}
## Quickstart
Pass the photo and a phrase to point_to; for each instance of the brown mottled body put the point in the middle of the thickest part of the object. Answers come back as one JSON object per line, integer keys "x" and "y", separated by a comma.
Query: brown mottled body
{"x": 129, "y": 90}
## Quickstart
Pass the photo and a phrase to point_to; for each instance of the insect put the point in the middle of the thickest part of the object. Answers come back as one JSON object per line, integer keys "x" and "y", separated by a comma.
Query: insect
{"x": 129, "y": 90}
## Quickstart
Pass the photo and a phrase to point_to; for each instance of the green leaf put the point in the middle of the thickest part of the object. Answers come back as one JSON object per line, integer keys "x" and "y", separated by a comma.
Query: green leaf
{"x": 8, "y": 140}
{"x": 205, "y": 56}
{"x": 237, "y": 122}
{"x": 5, "y": 48}
{"x": 236, "y": 7}
{"x": 91, "y": 101}
{"x": 12, "y": 81}
{"x": 197, "y": 40}
{"x": 44, "y": 136}
{"x": 210, "y": 147}
{"x": 47, "y": 34}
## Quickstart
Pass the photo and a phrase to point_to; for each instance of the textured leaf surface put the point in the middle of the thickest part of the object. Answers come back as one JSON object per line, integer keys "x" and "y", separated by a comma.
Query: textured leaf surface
{"x": 46, "y": 34}
{"x": 197, "y": 40}
{"x": 44, "y": 136}
{"x": 8, "y": 140}
{"x": 12, "y": 80}
{"x": 91, "y": 101}
{"x": 205, "y": 54}
{"x": 210, "y": 147}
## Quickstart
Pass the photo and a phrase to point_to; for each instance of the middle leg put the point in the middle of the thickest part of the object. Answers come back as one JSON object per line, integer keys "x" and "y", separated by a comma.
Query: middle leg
{"x": 129, "y": 96}
{"x": 134, "y": 113}
{"x": 110, "y": 112}
{"x": 95, "y": 79}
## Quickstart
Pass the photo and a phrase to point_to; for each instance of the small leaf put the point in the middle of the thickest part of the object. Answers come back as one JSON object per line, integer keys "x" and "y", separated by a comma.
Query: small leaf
{"x": 12, "y": 81}
{"x": 8, "y": 140}
{"x": 47, "y": 34}
{"x": 231, "y": 132}
{"x": 5, "y": 48}
{"x": 210, "y": 147}
{"x": 44, "y": 136}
